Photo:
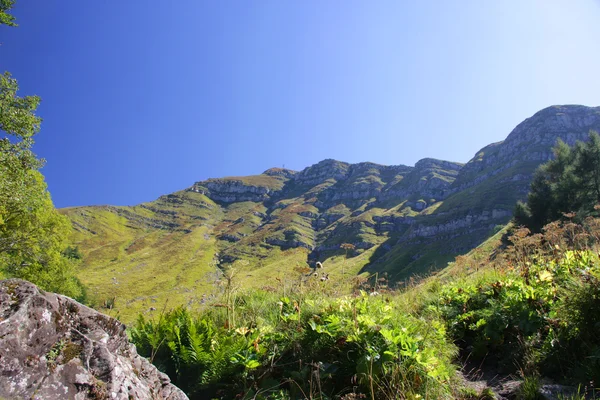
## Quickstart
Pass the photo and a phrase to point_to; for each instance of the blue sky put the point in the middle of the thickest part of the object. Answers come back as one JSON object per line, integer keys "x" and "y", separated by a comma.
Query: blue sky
{"x": 143, "y": 98}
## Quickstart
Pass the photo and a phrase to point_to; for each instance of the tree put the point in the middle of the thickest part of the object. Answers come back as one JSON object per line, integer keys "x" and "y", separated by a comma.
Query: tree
{"x": 32, "y": 232}
{"x": 568, "y": 183}
{"x": 5, "y": 17}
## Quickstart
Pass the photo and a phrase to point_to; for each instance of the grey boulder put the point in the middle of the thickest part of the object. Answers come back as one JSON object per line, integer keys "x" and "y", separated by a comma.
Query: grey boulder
{"x": 52, "y": 347}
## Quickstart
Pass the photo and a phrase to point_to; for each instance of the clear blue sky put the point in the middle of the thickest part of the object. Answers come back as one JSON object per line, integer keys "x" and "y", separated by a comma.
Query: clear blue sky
{"x": 143, "y": 98}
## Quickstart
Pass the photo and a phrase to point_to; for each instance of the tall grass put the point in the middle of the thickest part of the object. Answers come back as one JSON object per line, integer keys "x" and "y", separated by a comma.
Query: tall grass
{"x": 305, "y": 347}
{"x": 532, "y": 309}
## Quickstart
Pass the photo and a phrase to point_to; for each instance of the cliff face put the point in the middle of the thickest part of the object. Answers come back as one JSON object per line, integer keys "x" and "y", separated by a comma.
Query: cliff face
{"x": 335, "y": 181}
{"x": 530, "y": 142}
{"x": 248, "y": 188}
{"x": 52, "y": 347}
{"x": 400, "y": 219}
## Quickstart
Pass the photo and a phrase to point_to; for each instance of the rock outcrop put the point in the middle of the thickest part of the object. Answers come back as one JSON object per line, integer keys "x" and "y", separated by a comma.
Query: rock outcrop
{"x": 531, "y": 142}
{"x": 232, "y": 191}
{"x": 322, "y": 171}
{"x": 52, "y": 347}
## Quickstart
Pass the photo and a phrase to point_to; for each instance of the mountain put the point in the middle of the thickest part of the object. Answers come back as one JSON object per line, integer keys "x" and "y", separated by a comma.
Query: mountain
{"x": 401, "y": 220}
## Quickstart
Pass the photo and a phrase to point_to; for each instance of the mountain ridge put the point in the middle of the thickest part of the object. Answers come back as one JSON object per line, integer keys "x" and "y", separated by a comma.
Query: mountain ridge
{"x": 400, "y": 219}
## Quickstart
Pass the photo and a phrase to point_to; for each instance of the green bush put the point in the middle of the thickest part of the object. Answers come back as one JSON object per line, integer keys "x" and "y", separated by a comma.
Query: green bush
{"x": 301, "y": 348}
{"x": 541, "y": 317}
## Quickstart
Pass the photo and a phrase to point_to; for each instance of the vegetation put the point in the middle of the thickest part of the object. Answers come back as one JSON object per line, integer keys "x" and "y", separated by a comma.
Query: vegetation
{"x": 32, "y": 233}
{"x": 289, "y": 225}
{"x": 528, "y": 312}
{"x": 306, "y": 217}
{"x": 522, "y": 304}
{"x": 529, "y": 318}
{"x": 260, "y": 323}
{"x": 5, "y": 17}
{"x": 568, "y": 183}
{"x": 301, "y": 347}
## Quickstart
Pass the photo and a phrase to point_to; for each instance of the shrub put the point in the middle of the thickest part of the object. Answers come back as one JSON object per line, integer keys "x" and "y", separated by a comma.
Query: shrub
{"x": 306, "y": 348}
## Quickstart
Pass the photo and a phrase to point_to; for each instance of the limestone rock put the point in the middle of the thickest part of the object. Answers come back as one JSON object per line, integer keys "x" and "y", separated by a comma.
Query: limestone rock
{"x": 287, "y": 173}
{"x": 531, "y": 141}
{"x": 52, "y": 347}
{"x": 318, "y": 173}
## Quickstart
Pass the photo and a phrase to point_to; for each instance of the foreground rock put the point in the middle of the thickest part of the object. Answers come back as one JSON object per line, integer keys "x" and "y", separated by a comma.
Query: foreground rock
{"x": 52, "y": 347}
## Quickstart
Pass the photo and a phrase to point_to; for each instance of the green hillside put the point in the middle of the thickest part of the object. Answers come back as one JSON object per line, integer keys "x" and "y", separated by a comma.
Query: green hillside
{"x": 513, "y": 319}
{"x": 400, "y": 220}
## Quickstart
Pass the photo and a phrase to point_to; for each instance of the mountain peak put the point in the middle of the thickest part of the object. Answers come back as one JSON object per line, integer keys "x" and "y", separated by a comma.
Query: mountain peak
{"x": 438, "y": 164}
{"x": 566, "y": 121}
{"x": 288, "y": 173}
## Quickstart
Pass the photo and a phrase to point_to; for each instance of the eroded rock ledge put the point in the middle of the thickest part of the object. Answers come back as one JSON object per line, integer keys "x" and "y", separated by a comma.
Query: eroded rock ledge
{"x": 52, "y": 347}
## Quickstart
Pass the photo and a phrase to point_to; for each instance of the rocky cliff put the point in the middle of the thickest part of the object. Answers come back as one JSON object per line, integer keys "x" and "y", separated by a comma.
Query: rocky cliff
{"x": 399, "y": 219}
{"x": 530, "y": 142}
{"x": 52, "y": 347}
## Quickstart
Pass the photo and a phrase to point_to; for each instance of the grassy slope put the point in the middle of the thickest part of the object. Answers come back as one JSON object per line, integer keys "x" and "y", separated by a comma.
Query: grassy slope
{"x": 164, "y": 252}
{"x": 170, "y": 249}
{"x": 498, "y": 192}
{"x": 148, "y": 255}
{"x": 141, "y": 266}
{"x": 517, "y": 318}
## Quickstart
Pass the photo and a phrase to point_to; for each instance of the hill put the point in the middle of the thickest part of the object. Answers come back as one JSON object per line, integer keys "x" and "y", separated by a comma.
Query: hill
{"x": 400, "y": 220}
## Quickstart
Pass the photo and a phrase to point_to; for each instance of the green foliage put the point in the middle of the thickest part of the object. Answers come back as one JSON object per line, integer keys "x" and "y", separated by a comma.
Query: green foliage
{"x": 539, "y": 317}
{"x": 534, "y": 313}
{"x": 5, "y": 17}
{"x": 72, "y": 252}
{"x": 580, "y": 394}
{"x": 493, "y": 316}
{"x": 18, "y": 165}
{"x": 193, "y": 352}
{"x": 32, "y": 239}
{"x": 530, "y": 388}
{"x": 303, "y": 347}
{"x": 32, "y": 233}
{"x": 568, "y": 183}
{"x": 574, "y": 347}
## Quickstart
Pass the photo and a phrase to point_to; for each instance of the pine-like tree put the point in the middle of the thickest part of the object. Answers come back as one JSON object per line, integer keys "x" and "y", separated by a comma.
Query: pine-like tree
{"x": 569, "y": 183}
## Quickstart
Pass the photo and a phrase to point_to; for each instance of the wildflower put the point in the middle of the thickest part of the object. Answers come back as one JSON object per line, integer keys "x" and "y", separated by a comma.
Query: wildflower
{"x": 242, "y": 331}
